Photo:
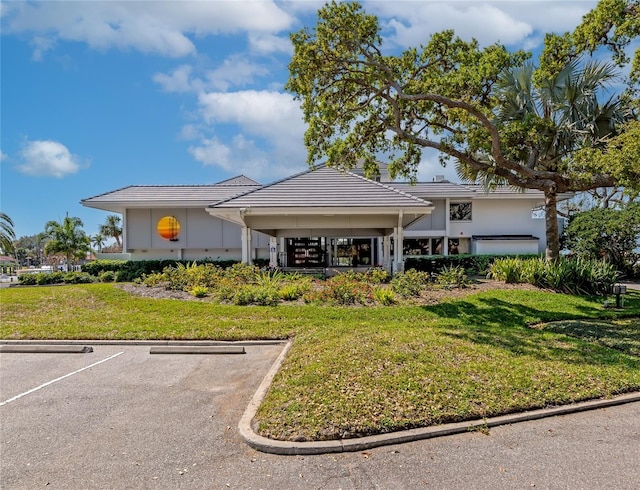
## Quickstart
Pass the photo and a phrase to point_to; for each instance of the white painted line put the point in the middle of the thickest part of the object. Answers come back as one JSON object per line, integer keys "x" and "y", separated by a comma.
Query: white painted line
{"x": 58, "y": 379}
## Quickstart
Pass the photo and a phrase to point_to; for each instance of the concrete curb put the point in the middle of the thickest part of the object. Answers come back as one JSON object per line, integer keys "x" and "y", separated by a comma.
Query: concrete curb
{"x": 197, "y": 349}
{"x": 272, "y": 446}
{"x": 203, "y": 343}
{"x": 46, "y": 349}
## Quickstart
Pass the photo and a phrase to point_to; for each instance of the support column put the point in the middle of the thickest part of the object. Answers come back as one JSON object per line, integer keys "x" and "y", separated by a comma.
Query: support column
{"x": 246, "y": 245}
{"x": 386, "y": 253}
{"x": 273, "y": 252}
{"x": 445, "y": 246}
{"x": 398, "y": 246}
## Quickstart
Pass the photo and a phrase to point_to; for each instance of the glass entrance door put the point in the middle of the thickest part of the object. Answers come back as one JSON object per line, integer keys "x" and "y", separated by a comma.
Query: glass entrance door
{"x": 305, "y": 252}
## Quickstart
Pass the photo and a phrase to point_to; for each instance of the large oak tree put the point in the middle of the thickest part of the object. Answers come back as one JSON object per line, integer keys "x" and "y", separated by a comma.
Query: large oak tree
{"x": 478, "y": 106}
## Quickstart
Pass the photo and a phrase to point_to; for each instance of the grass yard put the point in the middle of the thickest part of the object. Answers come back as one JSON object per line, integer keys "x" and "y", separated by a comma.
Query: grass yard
{"x": 356, "y": 371}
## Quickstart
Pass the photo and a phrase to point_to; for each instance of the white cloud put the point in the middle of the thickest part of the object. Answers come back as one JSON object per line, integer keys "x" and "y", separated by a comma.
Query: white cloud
{"x": 510, "y": 23}
{"x": 244, "y": 156}
{"x": 235, "y": 71}
{"x": 179, "y": 80}
{"x": 265, "y": 43}
{"x": 149, "y": 27}
{"x": 269, "y": 138}
{"x": 46, "y": 158}
{"x": 41, "y": 45}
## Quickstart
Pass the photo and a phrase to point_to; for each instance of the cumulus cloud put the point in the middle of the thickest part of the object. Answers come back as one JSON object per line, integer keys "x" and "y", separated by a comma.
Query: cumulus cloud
{"x": 150, "y": 27}
{"x": 268, "y": 139}
{"x": 179, "y": 80}
{"x": 235, "y": 71}
{"x": 46, "y": 158}
{"x": 511, "y": 23}
{"x": 265, "y": 43}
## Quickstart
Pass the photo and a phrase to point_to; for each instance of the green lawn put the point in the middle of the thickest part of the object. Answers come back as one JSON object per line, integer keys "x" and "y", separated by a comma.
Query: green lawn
{"x": 356, "y": 371}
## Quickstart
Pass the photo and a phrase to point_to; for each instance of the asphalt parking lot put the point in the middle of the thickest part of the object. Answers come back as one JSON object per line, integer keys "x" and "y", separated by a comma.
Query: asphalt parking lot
{"x": 120, "y": 417}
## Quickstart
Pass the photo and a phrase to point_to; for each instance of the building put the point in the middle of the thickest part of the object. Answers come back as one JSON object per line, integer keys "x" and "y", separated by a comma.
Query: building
{"x": 324, "y": 218}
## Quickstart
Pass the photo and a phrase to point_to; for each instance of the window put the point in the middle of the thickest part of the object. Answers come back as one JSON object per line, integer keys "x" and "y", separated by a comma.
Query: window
{"x": 416, "y": 246}
{"x": 460, "y": 211}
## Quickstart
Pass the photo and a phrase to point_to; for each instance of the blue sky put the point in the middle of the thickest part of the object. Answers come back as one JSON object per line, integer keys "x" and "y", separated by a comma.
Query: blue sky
{"x": 96, "y": 96}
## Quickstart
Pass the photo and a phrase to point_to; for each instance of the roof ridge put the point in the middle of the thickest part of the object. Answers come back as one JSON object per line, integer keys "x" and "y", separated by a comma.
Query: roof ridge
{"x": 105, "y": 193}
{"x": 380, "y": 184}
{"x": 222, "y": 182}
{"x": 265, "y": 186}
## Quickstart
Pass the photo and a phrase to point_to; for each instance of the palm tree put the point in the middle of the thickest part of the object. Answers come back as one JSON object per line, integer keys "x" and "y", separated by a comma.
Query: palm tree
{"x": 111, "y": 228}
{"x": 67, "y": 238}
{"x": 7, "y": 235}
{"x": 564, "y": 115}
{"x": 98, "y": 241}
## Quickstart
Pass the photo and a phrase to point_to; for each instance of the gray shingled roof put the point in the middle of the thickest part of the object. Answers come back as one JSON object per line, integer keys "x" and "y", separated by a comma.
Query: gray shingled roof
{"x": 323, "y": 187}
{"x": 171, "y": 195}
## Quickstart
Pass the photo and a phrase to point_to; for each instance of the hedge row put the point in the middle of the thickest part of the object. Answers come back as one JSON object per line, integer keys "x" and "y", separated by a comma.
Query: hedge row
{"x": 129, "y": 270}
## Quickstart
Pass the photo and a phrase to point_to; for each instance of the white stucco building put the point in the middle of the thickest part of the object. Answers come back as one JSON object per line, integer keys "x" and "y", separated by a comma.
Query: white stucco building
{"x": 324, "y": 218}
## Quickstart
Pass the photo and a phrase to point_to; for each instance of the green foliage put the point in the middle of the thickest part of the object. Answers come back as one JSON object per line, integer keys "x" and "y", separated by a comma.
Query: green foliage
{"x": 349, "y": 288}
{"x": 452, "y": 277}
{"x": 608, "y": 233}
{"x": 410, "y": 283}
{"x": 130, "y": 270}
{"x": 565, "y": 275}
{"x": 254, "y": 294}
{"x": 112, "y": 229}
{"x": 67, "y": 238}
{"x": 199, "y": 291}
{"x": 508, "y": 270}
{"x": 613, "y": 24}
{"x": 478, "y": 106}
{"x": 78, "y": 278}
{"x": 107, "y": 276}
{"x": 29, "y": 279}
{"x": 295, "y": 290}
{"x": 7, "y": 235}
{"x": 472, "y": 264}
{"x": 384, "y": 296}
{"x": 377, "y": 275}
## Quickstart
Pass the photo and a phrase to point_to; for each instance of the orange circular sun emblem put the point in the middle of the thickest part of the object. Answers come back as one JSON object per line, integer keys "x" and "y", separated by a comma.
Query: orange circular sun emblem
{"x": 169, "y": 228}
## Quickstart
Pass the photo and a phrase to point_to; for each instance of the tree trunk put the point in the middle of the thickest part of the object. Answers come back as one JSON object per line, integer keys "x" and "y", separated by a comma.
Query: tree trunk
{"x": 551, "y": 218}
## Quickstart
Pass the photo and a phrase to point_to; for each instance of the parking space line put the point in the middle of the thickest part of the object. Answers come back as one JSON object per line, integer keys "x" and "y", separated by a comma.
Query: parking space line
{"x": 58, "y": 379}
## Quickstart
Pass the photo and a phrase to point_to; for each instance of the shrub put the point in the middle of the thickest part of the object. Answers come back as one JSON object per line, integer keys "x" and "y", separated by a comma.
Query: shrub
{"x": 294, "y": 291}
{"x": 377, "y": 275}
{"x": 452, "y": 277}
{"x": 153, "y": 280}
{"x": 344, "y": 289}
{"x": 410, "y": 283}
{"x": 565, "y": 275}
{"x": 508, "y": 270}
{"x": 107, "y": 276}
{"x": 53, "y": 278}
{"x": 244, "y": 272}
{"x": 199, "y": 291}
{"x": 258, "y": 295}
{"x": 384, "y": 296}
{"x": 78, "y": 278}
{"x": 29, "y": 279}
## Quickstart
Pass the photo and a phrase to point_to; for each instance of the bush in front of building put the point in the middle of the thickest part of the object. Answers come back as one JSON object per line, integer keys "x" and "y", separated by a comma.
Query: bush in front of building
{"x": 565, "y": 275}
{"x": 131, "y": 270}
{"x": 473, "y": 264}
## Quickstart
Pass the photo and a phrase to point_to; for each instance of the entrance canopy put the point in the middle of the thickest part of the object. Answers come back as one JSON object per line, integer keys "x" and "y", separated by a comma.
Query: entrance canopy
{"x": 323, "y": 202}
